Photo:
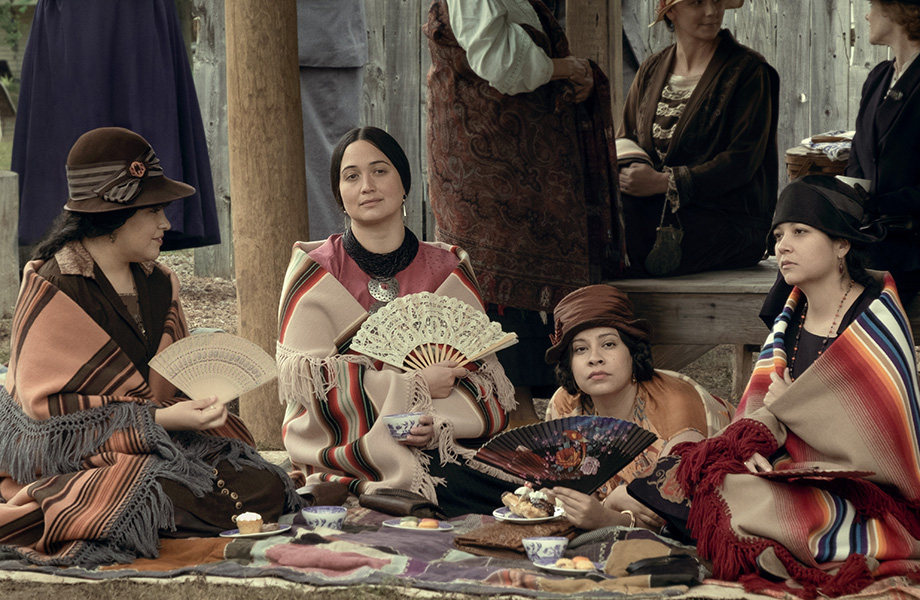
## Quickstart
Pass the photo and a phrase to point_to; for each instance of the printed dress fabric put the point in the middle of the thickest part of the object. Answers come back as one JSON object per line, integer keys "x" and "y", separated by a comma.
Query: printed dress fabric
{"x": 668, "y": 404}
{"x": 884, "y": 151}
{"x": 335, "y": 396}
{"x": 855, "y": 411}
{"x": 84, "y": 468}
{"x": 722, "y": 154}
{"x": 107, "y": 63}
{"x": 526, "y": 183}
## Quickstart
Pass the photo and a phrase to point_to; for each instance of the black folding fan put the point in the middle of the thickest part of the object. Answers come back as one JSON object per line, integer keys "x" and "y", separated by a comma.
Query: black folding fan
{"x": 581, "y": 453}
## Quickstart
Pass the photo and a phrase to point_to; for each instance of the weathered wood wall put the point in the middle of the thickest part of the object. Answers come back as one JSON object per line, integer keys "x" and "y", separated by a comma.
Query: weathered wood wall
{"x": 820, "y": 48}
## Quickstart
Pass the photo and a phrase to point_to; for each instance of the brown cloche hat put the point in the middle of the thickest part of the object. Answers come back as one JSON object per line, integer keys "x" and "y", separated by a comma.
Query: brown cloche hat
{"x": 666, "y": 5}
{"x": 593, "y": 306}
{"x": 112, "y": 168}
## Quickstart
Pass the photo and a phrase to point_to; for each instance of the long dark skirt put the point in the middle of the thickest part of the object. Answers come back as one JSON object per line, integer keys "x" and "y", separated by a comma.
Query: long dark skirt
{"x": 101, "y": 63}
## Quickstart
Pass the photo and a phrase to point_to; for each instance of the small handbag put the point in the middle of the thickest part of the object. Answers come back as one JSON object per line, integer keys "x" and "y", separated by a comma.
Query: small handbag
{"x": 664, "y": 257}
{"x": 401, "y": 503}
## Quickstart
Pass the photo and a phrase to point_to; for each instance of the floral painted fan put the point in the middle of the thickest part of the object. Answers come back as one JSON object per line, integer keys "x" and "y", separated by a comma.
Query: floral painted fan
{"x": 418, "y": 330}
{"x": 215, "y": 364}
{"x": 581, "y": 452}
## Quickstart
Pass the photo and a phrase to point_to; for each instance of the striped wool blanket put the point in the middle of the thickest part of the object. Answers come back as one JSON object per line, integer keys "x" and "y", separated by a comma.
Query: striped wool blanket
{"x": 854, "y": 411}
{"x": 80, "y": 452}
{"x": 334, "y": 396}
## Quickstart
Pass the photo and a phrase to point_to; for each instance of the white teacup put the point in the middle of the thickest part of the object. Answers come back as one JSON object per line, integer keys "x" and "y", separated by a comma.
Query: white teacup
{"x": 400, "y": 425}
{"x": 545, "y": 549}
{"x": 331, "y": 517}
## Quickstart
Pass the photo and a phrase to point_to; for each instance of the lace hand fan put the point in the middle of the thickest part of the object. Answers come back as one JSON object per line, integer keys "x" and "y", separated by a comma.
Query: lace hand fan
{"x": 581, "y": 452}
{"x": 215, "y": 364}
{"x": 418, "y": 330}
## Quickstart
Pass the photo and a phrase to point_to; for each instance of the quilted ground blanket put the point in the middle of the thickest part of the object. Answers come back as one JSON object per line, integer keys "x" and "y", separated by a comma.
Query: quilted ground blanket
{"x": 367, "y": 552}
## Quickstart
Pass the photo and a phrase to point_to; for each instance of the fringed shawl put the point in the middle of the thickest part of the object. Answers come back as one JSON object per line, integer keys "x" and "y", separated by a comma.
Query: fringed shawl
{"x": 80, "y": 452}
{"x": 334, "y": 396}
{"x": 526, "y": 183}
{"x": 855, "y": 409}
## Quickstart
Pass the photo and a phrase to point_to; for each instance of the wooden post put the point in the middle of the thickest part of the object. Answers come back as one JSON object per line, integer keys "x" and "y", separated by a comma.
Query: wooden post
{"x": 595, "y": 31}
{"x": 9, "y": 249}
{"x": 267, "y": 177}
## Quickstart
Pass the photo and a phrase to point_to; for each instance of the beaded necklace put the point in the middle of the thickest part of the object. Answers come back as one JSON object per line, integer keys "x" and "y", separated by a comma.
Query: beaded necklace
{"x": 798, "y": 333}
{"x": 382, "y": 268}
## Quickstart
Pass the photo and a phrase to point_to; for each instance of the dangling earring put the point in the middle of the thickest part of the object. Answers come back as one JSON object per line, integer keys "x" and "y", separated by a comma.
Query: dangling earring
{"x": 633, "y": 381}
{"x": 404, "y": 210}
{"x": 840, "y": 265}
{"x": 112, "y": 236}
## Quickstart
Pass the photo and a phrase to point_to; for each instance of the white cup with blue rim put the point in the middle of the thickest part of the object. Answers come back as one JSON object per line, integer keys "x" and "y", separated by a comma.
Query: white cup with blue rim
{"x": 545, "y": 549}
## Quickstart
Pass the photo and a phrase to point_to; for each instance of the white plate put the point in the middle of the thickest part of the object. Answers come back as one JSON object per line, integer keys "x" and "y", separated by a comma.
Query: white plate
{"x": 504, "y": 514}
{"x": 397, "y": 523}
{"x": 552, "y": 568}
{"x": 235, "y": 533}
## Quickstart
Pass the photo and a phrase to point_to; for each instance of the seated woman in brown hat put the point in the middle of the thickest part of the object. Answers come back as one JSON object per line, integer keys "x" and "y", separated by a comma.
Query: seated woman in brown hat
{"x": 99, "y": 456}
{"x": 817, "y": 480}
{"x": 604, "y": 366}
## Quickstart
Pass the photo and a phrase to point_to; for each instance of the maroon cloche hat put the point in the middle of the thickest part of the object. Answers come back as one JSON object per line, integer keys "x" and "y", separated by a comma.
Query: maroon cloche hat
{"x": 112, "y": 168}
{"x": 593, "y": 306}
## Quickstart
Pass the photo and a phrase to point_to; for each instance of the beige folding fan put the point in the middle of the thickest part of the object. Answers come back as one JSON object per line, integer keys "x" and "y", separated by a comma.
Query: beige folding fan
{"x": 418, "y": 330}
{"x": 215, "y": 364}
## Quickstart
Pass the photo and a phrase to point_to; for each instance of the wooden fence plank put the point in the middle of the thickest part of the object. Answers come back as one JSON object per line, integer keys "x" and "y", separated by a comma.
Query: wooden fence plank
{"x": 210, "y": 74}
{"x": 9, "y": 247}
{"x": 393, "y": 99}
{"x": 793, "y": 38}
{"x": 830, "y": 33}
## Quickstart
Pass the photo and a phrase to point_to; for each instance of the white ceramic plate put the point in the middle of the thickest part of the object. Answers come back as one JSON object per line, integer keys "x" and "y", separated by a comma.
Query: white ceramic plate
{"x": 442, "y": 526}
{"x": 552, "y": 568}
{"x": 504, "y": 514}
{"x": 235, "y": 533}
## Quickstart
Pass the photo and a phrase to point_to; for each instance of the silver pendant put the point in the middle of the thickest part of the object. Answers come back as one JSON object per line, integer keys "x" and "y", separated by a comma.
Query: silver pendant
{"x": 383, "y": 290}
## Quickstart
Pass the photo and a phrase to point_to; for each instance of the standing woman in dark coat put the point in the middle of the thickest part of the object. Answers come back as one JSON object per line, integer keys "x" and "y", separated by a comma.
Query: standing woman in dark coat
{"x": 697, "y": 147}
{"x": 887, "y": 142}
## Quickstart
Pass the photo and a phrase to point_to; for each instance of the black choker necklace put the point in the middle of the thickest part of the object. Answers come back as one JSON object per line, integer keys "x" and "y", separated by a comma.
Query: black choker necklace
{"x": 382, "y": 268}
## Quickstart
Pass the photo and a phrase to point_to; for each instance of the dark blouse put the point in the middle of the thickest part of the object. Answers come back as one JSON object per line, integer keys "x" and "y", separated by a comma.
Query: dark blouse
{"x": 807, "y": 347}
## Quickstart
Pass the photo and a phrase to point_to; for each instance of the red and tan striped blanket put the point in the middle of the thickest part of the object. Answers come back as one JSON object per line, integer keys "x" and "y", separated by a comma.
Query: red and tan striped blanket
{"x": 854, "y": 411}
{"x": 334, "y": 396}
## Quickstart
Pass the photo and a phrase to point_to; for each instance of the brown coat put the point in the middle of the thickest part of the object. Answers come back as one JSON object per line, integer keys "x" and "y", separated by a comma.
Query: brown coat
{"x": 723, "y": 155}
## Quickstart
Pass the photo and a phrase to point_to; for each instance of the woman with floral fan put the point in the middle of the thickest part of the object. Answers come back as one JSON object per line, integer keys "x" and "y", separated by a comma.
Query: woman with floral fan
{"x": 334, "y": 395}
{"x": 604, "y": 367}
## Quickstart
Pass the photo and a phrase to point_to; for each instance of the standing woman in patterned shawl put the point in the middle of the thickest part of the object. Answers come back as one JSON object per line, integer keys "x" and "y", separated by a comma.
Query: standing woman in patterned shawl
{"x": 99, "y": 456}
{"x": 817, "y": 480}
{"x": 334, "y": 395}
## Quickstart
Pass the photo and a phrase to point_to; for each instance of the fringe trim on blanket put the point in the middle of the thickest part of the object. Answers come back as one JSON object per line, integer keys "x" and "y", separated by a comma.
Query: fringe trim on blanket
{"x": 298, "y": 373}
{"x": 58, "y": 445}
{"x": 490, "y": 377}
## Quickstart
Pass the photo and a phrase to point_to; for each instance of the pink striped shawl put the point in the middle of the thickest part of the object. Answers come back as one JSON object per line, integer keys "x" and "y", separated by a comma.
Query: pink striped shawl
{"x": 856, "y": 408}
{"x": 334, "y": 396}
{"x": 80, "y": 452}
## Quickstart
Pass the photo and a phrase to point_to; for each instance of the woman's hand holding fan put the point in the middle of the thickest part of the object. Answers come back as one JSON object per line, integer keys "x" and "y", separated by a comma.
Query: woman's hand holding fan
{"x": 215, "y": 364}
